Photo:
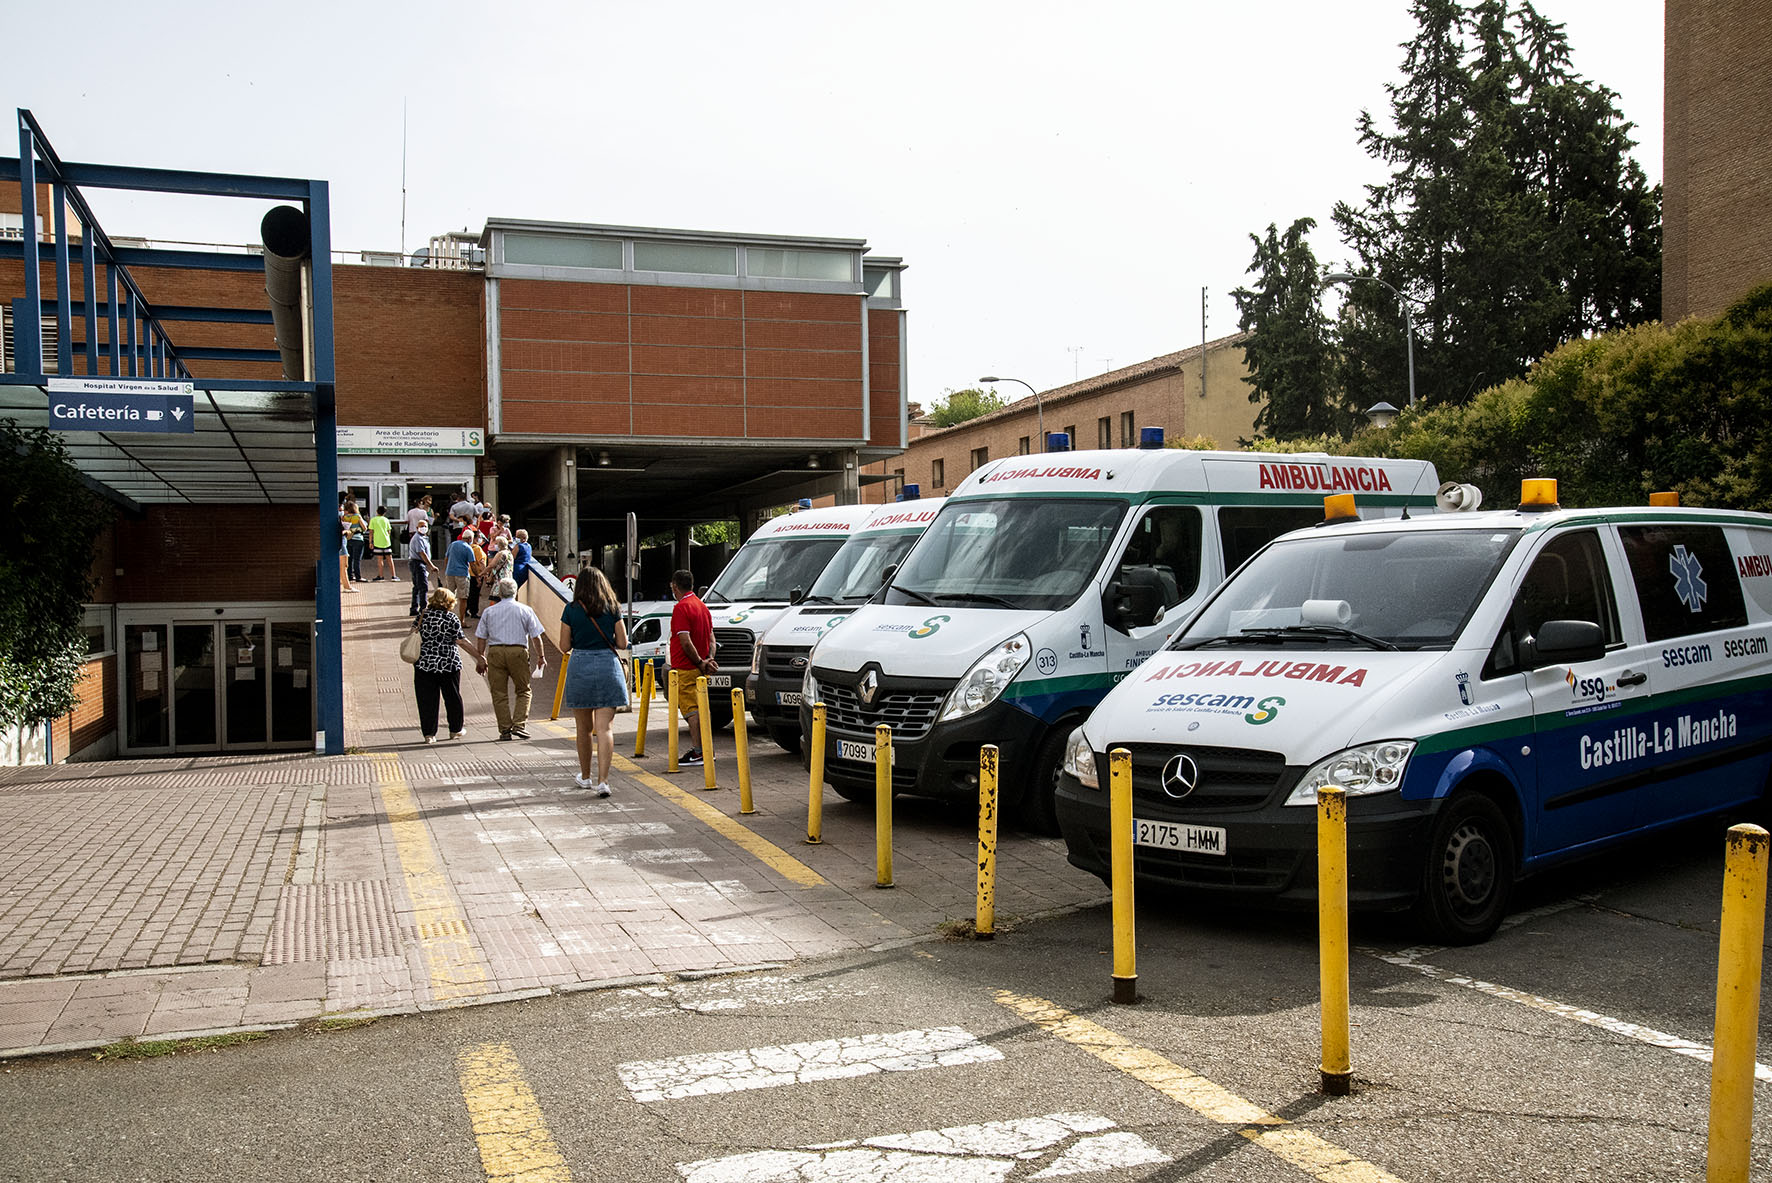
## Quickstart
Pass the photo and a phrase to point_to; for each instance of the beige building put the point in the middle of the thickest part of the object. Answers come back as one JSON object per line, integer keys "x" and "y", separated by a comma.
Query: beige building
{"x": 1104, "y": 411}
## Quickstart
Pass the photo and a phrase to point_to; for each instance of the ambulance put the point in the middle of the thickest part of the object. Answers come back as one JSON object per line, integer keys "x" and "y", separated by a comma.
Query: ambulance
{"x": 1044, "y": 580}
{"x": 649, "y": 641}
{"x": 1496, "y": 693}
{"x": 777, "y": 564}
{"x": 854, "y": 576}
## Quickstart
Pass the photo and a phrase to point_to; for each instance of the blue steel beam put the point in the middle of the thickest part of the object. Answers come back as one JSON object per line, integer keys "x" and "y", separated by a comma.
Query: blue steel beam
{"x": 183, "y": 312}
{"x": 329, "y": 674}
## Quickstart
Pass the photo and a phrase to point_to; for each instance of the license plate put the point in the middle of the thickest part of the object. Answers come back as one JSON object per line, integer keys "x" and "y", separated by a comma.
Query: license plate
{"x": 720, "y": 682}
{"x": 1175, "y": 836}
{"x": 849, "y": 749}
{"x": 787, "y": 698}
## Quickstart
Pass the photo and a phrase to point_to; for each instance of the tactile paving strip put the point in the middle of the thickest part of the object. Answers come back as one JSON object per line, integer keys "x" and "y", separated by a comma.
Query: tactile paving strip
{"x": 348, "y": 921}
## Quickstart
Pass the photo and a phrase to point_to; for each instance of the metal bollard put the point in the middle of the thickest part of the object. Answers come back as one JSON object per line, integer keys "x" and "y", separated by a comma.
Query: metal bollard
{"x": 815, "y": 802}
{"x": 984, "y": 924}
{"x": 560, "y": 684}
{"x": 1120, "y": 851}
{"x": 645, "y": 704}
{"x": 741, "y": 742}
{"x": 882, "y": 806}
{"x": 672, "y": 681}
{"x": 707, "y": 731}
{"x": 1332, "y": 952}
{"x": 1740, "y": 947}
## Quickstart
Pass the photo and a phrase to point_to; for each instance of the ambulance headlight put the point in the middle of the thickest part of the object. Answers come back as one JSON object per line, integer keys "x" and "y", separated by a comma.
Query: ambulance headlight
{"x": 756, "y": 660}
{"x": 981, "y": 685}
{"x": 809, "y": 687}
{"x": 1079, "y": 761}
{"x": 1369, "y": 768}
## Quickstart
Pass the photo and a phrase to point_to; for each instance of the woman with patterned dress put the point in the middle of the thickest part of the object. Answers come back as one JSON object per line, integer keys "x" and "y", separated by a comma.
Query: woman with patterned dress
{"x": 438, "y": 669}
{"x": 591, "y": 630}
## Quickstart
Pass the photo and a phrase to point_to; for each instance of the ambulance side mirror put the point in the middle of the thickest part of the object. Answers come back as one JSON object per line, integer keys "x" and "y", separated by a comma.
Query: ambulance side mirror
{"x": 1134, "y": 600}
{"x": 796, "y": 596}
{"x": 887, "y": 574}
{"x": 1563, "y": 642}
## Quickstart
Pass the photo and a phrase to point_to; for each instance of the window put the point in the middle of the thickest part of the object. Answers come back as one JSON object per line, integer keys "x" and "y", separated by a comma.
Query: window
{"x": 646, "y": 632}
{"x": 96, "y": 625}
{"x": 560, "y": 250}
{"x": 1567, "y": 581}
{"x": 1164, "y": 553}
{"x": 1685, "y": 579}
{"x": 9, "y": 342}
{"x": 1021, "y": 446}
{"x": 833, "y": 265}
{"x": 1128, "y": 435}
{"x": 1070, "y": 435}
{"x": 1035, "y": 553}
{"x": 880, "y": 285}
{"x": 1104, "y": 432}
{"x": 937, "y": 475}
{"x": 979, "y": 457}
{"x": 1245, "y": 529}
{"x": 686, "y": 258}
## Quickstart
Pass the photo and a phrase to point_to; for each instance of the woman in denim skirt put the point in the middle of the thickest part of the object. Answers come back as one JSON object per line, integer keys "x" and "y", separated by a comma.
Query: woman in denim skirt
{"x": 591, "y": 629}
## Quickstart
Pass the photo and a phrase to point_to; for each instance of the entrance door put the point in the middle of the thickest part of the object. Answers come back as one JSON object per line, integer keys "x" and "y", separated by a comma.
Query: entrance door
{"x": 194, "y": 701}
{"x": 218, "y": 685}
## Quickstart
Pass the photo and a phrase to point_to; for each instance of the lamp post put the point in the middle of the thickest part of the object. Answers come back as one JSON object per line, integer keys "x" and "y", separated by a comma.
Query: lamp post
{"x": 1038, "y": 405}
{"x": 1402, "y": 305}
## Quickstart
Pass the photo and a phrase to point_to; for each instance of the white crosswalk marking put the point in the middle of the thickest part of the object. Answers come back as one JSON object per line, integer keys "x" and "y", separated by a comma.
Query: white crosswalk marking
{"x": 984, "y": 1153}
{"x": 800, "y": 1063}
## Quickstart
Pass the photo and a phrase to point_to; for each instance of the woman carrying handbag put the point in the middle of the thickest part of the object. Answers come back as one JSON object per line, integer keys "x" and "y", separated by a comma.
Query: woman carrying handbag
{"x": 591, "y": 630}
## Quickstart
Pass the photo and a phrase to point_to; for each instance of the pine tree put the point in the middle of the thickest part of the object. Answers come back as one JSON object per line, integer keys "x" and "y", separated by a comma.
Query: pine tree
{"x": 1288, "y": 352}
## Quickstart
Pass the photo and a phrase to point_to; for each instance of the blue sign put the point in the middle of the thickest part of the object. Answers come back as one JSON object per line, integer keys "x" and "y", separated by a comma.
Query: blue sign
{"x": 121, "y": 404}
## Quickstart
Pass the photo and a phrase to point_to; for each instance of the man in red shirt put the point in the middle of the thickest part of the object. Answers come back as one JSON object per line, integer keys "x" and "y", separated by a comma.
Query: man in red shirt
{"x": 692, "y": 652}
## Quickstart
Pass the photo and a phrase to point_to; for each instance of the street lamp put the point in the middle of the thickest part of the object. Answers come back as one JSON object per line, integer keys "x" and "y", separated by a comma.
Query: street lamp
{"x": 1402, "y": 305}
{"x": 1038, "y": 405}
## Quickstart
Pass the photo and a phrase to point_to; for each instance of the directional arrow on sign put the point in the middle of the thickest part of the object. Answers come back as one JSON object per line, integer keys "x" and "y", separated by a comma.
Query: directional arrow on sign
{"x": 178, "y": 413}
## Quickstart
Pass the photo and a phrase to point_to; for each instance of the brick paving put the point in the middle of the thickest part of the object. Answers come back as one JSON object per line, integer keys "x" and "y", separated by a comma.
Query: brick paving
{"x": 154, "y": 898}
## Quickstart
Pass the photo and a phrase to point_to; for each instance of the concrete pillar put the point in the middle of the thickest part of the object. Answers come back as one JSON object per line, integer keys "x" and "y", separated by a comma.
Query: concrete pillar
{"x": 566, "y": 511}
{"x": 850, "y": 491}
{"x": 680, "y": 561}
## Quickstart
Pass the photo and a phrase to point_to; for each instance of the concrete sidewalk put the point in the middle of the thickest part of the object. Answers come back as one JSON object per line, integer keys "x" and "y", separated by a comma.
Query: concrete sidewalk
{"x": 156, "y": 899}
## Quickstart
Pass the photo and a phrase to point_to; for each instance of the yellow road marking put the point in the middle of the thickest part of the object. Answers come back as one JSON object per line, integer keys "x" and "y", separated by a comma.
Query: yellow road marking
{"x": 455, "y": 966}
{"x": 1309, "y": 1153}
{"x": 515, "y": 1145}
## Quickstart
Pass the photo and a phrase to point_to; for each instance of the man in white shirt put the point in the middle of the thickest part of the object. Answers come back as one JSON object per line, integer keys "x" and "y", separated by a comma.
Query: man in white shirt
{"x": 510, "y": 640}
{"x": 419, "y": 513}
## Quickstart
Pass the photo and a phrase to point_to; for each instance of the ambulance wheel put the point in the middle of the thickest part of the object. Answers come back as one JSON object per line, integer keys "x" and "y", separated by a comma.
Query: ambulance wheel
{"x": 785, "y": 736}
{"x": 1038, "y": 807}
{"x": 1469, "y": 872}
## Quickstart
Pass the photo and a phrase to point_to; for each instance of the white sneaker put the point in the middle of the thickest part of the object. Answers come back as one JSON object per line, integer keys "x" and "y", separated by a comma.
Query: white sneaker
{"x": 430, "y": 739}
{"x": 603, "y": 789}
{"x": 583, "y": 782}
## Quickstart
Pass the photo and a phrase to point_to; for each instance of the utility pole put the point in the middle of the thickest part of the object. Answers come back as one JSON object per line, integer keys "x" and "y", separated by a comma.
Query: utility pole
{"x": 1202, "y": 342}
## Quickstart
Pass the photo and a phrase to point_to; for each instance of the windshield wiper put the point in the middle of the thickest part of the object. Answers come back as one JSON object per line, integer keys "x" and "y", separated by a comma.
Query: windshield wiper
{"x": 978, "y": 598}
{"x": 820, "y": 600}
{"x": 1254, "y": 636}
{"x": 915, "y": 595}
{"x": 1321, "y": 632}
{"x": 712, "y": 593}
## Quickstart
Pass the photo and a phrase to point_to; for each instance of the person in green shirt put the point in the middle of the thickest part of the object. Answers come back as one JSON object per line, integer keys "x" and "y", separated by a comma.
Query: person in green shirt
{"x": 381, "y": 543}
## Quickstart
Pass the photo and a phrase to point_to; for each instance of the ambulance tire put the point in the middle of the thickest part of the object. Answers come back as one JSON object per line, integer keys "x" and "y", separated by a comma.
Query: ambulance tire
{"x": 785, "y": 735}
{"x": 1038, "y": 807}
{"x": 1469, "y": 872}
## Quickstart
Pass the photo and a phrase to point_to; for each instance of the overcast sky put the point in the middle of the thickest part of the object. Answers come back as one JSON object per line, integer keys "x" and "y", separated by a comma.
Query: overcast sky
{"x": 1061, "y": 179}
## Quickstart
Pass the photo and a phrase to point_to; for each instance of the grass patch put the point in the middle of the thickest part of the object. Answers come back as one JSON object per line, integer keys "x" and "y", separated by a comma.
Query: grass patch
{"x": 149, "y": 1049}
{"x": 346, "y": 1023}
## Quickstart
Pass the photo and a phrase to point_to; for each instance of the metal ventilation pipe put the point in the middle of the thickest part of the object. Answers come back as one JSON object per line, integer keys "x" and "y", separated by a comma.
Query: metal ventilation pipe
{"x": 284, "y": 231}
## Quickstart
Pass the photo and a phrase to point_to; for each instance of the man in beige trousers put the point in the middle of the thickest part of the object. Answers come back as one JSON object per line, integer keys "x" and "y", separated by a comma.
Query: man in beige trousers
{"x": 509, "y": 636}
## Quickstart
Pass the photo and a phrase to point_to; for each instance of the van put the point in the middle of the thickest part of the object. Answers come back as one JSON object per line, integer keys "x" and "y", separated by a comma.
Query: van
{"x": 853, "y": 577}
{"x": 649, "y": 641}
{"x": 1496, "y": 693}
{"x": 1041, "y": 582}
{"x": 775, "y": 566}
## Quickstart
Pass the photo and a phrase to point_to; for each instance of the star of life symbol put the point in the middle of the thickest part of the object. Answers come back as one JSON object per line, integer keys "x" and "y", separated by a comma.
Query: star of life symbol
{"x": 1688, "y": 576}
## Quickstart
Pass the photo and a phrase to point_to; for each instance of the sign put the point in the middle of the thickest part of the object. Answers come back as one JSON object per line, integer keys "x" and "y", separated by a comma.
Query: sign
{"x": 121, "y": 404}
{"x": 411, "y": 441}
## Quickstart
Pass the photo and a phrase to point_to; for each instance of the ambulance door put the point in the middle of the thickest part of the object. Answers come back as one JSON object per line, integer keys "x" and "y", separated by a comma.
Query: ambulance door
{"x": 1152, "y": 584}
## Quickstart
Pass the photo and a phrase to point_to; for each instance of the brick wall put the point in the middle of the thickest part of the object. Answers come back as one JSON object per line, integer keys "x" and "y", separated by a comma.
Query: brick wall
{"x": 217, "y": 553}
{"x": 409, "y": 347}
{"x": 94, "y": 717}
{"x": 1717, "y": 154}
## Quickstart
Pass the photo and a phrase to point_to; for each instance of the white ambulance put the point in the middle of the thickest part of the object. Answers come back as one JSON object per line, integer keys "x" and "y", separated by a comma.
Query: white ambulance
{"x": 1043, "y": 581}
{"x": 780, "y": 561}
{"x": 1496, "y": 692}
{"x": 854, "y": 576}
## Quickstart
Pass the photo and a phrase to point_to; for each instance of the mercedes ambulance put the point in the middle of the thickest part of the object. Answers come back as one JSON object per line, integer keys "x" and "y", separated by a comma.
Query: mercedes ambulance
{"x": 854, "y": 576}
{"x": 1496, "y": 692}
{"x": 1043, "y": 581}
{"x": 781, "y": 560}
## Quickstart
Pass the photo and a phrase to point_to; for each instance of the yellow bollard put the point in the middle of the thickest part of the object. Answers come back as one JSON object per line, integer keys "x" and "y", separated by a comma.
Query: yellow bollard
{"x": 882, "y": 806}
{"x": 1337, "y": 1067}
{"x": 1740, "y": 946}
{"x": 741, "y": 742}
{"x": 984, "y": 924}
{"x": 707, "y": 731}
{"x": 645, "y": 704}
{"x": 1120, "y": 853}
{"x": 560, "y": 684}
{"x": 815, "y": 802}
{"x": 672, "y": 680}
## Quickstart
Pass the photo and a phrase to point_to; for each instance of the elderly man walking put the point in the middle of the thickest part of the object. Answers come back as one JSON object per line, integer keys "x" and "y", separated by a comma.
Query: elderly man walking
{"x": 510, "y": 634}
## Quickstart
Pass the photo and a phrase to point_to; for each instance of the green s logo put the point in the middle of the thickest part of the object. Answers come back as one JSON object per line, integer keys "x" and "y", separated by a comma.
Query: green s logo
{"x": 1266, "y": 711}
{"x": 930, "y": 627}
{"x": 739, "y": 619}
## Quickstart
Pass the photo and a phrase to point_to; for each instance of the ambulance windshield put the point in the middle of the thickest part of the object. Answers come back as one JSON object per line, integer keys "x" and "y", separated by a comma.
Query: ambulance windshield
{"x": 854, "y": 575}
{"x": 771, "y": 570}
{"x": 1401, "y": 589}
{"x": 1009, "y": 552}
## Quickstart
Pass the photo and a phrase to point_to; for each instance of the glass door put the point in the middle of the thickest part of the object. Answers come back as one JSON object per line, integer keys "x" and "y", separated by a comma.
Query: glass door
{"x": 194, "y": 701}
{"x": 246, "y": 703}
{"x": 147, "y": 710}
{"x": 292, "y": 688}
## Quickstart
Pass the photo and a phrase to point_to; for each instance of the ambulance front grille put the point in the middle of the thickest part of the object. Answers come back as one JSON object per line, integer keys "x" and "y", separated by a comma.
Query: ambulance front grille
{"x": 1228, "y": 777}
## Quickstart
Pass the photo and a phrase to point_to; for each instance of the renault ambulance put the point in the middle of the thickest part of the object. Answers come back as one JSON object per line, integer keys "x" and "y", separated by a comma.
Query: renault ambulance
{"x": 780, "y": 561}
{"x": 1043, "y": 581}
{"x": 1496, "y": 692}
{"x": 853, "y": 577}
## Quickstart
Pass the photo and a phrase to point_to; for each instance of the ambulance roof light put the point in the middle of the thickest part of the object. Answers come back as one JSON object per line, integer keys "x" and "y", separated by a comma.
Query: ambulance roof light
{"x": 1150, "y": 437}
{"x": 1058, "y": 441}
{"x": 1538, "y": 495}
{"x": 911, "y": 493}
{"x": 1669, "y": 499}
{"x": 1339, "y": 507}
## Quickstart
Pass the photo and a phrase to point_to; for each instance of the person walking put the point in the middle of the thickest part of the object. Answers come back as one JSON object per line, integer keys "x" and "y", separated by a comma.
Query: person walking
{"x": 381, "y": 544}
{"x": 420, "y": 512}
{"x": 456, "y": 562}
{"x": 356, "y": 540}
{"x": 522, "y": 558}
{"x": 437, "y": 673}
{"x": 418, "y": 558}
{"x": 476, "y": 576}
{"x": 692, "y": 653}
{"x": 509, "y": 637}
{"x": 591, "y": 630}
